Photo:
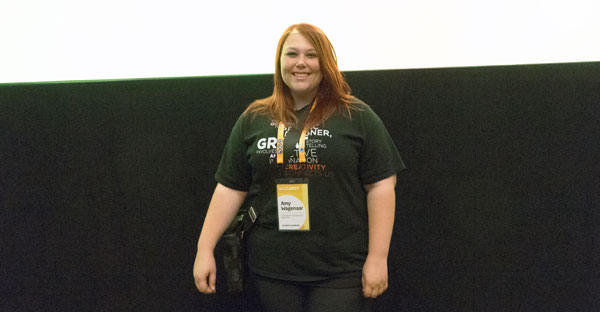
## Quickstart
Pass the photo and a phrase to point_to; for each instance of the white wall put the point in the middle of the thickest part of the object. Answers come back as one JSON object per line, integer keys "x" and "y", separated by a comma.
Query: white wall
{"x": 55, "y": 40}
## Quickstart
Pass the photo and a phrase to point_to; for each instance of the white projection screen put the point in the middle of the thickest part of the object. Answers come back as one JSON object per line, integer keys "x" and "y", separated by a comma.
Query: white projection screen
{"x": 66, "y": 40}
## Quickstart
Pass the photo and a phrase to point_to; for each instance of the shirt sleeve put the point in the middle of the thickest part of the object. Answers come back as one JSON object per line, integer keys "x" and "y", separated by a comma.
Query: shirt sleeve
{"x": 234, "y": 171}
{"x": 379, "y": 157}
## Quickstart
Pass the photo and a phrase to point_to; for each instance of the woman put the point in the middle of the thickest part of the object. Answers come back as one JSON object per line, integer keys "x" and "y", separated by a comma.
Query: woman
{"x": 320, "y": 168}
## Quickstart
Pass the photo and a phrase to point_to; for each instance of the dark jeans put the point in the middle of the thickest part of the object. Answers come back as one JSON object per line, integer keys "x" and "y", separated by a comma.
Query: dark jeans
{"x": 285, "y": 296}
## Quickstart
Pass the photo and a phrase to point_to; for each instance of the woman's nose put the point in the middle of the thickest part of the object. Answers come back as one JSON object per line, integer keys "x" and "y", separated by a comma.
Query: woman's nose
{"x": 301, "y": 62}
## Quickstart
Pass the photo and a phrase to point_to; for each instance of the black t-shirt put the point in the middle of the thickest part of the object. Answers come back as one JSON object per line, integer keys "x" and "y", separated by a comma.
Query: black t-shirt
{"x": 342, "y": 155}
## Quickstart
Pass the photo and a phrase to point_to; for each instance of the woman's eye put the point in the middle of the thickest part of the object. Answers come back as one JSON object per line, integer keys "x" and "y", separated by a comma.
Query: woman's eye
{"x": 311, "y": 55}
{"x": 292, "y": 54}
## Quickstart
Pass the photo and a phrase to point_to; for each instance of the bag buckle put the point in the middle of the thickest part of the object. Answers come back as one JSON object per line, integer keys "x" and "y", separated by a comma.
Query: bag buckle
{"x": 252, "y": 214}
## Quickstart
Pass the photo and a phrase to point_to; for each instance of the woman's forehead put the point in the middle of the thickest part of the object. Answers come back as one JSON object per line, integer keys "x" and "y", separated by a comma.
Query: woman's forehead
{"x": 296, "y": 40}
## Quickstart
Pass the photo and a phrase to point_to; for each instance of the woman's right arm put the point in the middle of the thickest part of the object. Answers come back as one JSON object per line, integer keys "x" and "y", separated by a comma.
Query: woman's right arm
{"x": 223, "y": 207}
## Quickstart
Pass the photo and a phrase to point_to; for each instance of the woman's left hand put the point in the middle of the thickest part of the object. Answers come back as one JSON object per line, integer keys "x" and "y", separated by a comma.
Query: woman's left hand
{"x": 374, "y": 276}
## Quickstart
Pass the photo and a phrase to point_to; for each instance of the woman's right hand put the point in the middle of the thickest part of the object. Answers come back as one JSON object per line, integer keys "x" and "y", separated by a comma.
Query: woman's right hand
{"x": 205, "y": 272}
{"x": 223, "y": 207}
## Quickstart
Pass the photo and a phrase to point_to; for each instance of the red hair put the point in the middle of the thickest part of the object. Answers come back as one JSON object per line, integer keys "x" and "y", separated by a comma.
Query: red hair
{"x": 334, "y": 92}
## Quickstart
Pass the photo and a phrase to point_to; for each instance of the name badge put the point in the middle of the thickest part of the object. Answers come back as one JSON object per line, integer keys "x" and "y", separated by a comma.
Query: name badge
{"x": 292, "y": 205}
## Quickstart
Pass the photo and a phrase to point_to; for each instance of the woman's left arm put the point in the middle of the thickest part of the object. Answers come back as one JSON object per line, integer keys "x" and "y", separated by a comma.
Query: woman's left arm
{"x": 381, "y": 205}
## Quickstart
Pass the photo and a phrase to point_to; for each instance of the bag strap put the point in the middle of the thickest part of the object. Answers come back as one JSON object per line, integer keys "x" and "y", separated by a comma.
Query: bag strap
{"x": 250, "y": 214}
{"x": 244, "y": 220}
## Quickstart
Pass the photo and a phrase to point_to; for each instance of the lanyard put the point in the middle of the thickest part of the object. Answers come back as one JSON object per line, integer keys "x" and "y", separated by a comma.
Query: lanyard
{"x": 301, "y": 141}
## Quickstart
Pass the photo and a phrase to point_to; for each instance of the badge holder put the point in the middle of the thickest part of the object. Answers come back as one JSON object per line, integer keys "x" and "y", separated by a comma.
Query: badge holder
{"x": 292, "y": 205}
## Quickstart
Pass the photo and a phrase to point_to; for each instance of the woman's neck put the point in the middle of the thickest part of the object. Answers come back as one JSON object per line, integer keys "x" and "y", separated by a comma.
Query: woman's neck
{"x": 301, "y": 102}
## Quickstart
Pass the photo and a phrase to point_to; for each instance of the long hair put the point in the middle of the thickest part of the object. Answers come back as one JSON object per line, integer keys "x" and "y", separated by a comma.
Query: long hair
{"x": 334, "y": 94}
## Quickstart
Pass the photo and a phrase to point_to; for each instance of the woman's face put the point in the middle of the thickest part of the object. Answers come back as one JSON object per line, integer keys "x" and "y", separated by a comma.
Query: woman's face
{"x": 300, "y": 66}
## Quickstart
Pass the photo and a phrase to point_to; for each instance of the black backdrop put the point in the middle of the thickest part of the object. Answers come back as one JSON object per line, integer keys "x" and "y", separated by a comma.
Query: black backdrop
{"x": 104, "y": 186}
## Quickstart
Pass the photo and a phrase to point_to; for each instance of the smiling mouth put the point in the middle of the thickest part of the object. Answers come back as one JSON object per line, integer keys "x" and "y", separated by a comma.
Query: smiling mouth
{"x": 301, "y": 75}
